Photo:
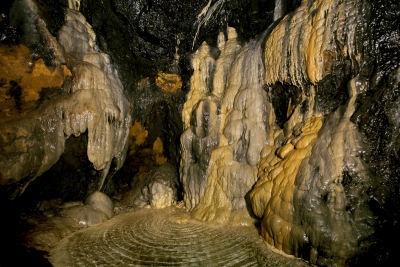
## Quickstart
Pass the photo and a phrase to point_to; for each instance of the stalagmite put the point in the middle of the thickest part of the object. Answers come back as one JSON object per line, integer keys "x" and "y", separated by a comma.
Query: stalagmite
{"x": 230, "y": 172}
{"x": 289, "y": 123}
{"x": 293, "y": 178}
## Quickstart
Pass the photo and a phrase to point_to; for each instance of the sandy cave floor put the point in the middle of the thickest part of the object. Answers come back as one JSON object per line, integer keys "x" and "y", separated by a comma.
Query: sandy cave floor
{"x": 166, "y": 237}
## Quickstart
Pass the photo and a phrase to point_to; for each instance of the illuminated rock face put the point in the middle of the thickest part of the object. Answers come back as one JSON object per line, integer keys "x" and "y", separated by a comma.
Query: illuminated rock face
{"x": 292, "y": 147}
{"x": 297, "y": 129}
{"x": 198, "y": 142}
{"x": 307, "y": 45}
{"x": 217, "y": 173}
{"x": 158, "y": 190}
{"x": 91, "y": 100}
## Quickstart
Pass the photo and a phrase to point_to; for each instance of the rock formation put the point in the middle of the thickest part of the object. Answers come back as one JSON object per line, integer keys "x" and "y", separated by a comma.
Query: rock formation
{"x": 293, "y": 153}
{"x": 280, "y": 114}
{"x": 92, "y": 100}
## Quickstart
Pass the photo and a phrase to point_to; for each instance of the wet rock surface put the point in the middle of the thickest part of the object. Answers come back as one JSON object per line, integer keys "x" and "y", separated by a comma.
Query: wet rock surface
{"x": 167, "y": 237}
{"x": 296, "y": 128}
{"x": 158, "y": 190}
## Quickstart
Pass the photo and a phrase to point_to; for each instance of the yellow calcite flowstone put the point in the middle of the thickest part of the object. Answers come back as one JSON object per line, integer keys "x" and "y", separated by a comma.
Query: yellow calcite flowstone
{"x": 304, "y": 39}
{"x": 272, "y": 196}
{"x": 22, "y": 80}
{"x": 169, "y": 82}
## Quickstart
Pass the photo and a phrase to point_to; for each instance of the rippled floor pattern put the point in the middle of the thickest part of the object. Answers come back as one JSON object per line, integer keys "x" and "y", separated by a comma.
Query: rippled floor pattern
{"x": 167, "y": 237}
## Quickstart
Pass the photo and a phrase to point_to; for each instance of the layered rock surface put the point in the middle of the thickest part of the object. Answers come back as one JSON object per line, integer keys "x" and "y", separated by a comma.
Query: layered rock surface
{"x": 293, "y": 153}
{"x": 297, "y": 129}
{"x": 91, "y": 100}
{"x": 167, "y": 237}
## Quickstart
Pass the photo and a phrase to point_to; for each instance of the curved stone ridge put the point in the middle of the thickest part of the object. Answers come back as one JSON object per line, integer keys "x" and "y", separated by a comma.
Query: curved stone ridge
{"x": 167, "y": 237}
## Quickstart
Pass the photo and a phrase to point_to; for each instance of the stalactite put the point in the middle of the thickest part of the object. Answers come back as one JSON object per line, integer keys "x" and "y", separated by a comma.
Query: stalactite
{"x": 94, "y": 102}
{"x": 295, "y": 52}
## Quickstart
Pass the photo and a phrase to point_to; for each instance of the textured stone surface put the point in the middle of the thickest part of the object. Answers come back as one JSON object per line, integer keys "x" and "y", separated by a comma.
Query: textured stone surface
{"x": 77, "y": 36}
{"x": 312, "y": 181}
{"x": 54, "y": 221}
{"x": 302, "y": 47}
{"x": 25, "y": 83}
{"x": 307, "y": 112}
{"x": 93, "y": 101}
{"x": 100, "y": 201}
{"x": 229, "y": 170}
{"x": 158, "y": 190}
{"x": 272, "y": 196}
{"x": 167, "y": 237}
{"x": 198, "y": 142}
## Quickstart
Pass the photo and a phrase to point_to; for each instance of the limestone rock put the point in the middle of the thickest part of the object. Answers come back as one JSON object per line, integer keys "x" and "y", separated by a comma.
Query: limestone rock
{"x": 102, "y": 202}
{"x": 201, "y": 82}
{"x": 77, "y": 36}
{"x": 86, "y": 215}
{"x": 158, "y": 190}
{"x": 219, "y": 169}
{"x": 304, "y": 53}
{"x": 93, "y": 101}
{"x": 197, "y": 144}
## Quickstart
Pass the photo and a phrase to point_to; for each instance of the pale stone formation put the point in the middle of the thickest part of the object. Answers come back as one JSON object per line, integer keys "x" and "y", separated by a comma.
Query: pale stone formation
{"x": 296, "y": 50}
{"x": 293, "y": 178}
{"x": 229, "y": 48}
{"x": 200, "y": 83}
{"x": 77, "y": 36}
{"x": 93, "y": 102}
{"x": 54, "y": 221}
{"x": 74, "y": 4}
{"x": 337, "y": 155}
{"x": 197, "y": 143}
{"x": 85, "y": 215}
{"x": 300, "y": 195}
{"x": 272, "y": 196}
{"x": 233, "y": 167}
{"x": 100, "y": 201}
{"x": 158, "y": 190}
{"x": 153, "y": 237}
{"x": 217, "y": 180}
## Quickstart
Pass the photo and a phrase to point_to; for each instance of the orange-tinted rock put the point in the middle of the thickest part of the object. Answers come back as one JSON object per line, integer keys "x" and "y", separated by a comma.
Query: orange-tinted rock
{"x": 169, "y": 82}
{"x": 22, "y": 80}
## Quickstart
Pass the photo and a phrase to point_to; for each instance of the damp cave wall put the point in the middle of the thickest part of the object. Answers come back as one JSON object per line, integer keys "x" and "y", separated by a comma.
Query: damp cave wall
{"x": 148, "y": 48}
{"x": 140, "y": 54}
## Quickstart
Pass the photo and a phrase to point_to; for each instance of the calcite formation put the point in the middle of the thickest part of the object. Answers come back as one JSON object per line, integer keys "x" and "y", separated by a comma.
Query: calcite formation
{"x": 227, "y": 162}
{"x": 306, "y": 179}
{"x": 158, "y": 190}
{"x": 291, "y": 123}
{"x": 198, "y": 142}
{"x": 305, "y": 42}
{"x": 139, "y": 238}
{"x": 101, "y": 202}
{"x": 92, "y": 100}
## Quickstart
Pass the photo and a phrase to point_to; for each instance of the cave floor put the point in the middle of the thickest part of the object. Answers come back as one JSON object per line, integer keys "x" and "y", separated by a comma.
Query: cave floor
{"x": 166, "y": 237}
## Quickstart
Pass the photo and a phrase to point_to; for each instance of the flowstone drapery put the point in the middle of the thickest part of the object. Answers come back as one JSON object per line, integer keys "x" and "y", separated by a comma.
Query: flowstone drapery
{"x": 92, "y": 100}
